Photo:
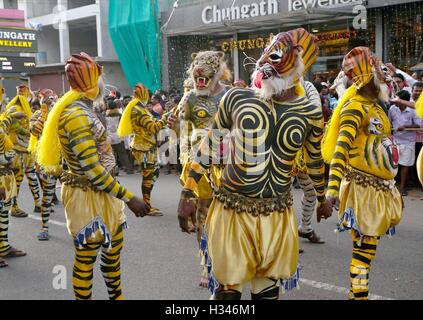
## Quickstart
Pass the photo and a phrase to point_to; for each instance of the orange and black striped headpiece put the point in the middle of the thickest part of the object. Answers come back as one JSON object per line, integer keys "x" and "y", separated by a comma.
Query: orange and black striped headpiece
{"x": 23, "y": 90}
{"x": 361, "y": 65}
{"x": 45, "y": 93}
{"x": 82, "y": 72}
{"x": 289, "y": 45}
{"x": 141, "y": 93}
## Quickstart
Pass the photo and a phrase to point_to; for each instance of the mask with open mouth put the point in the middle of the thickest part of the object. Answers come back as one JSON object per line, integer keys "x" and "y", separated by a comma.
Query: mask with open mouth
{"x": 284, "y": 62}
{"x": 207, "y": 68}
{"x": 202, "y": 82}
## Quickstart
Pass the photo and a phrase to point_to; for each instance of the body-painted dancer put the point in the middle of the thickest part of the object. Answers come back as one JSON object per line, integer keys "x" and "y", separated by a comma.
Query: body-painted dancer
{"x": 7, "y": 186}
{"x": 197, "y": 110}
{"x": 93, "y": 200}
{"x": 24, "y": 161}
{"x": 363, "y": 164}
{"x": 251, "y": 231}
{"x": 47, "y": 181}
{"x": 309, "y": 199}
{"x": 419, "y": 163}
{"x": 137, "y": 120}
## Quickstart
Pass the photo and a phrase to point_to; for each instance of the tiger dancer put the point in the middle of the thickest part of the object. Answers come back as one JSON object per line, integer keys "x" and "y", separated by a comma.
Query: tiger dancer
{"x": 419, "y": 162}
{"x": 93, "y": 200}
{"x": 24, "y": 162}
{"x": 252, "y": 208}
{"x": 137, "y": 120}
{"x": 363, "y": 164}
{"x": 7, "y": 186}
{"x": 47, "y": 181}
{"x": 196, "y": 111}
{"x": 309, "y": 199}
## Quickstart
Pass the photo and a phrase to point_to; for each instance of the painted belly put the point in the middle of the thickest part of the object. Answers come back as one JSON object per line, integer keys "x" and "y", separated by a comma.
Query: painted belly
{"x": 377, "y": 155}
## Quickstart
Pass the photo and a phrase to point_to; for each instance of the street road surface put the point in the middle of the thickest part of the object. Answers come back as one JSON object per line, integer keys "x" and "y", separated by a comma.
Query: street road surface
{"x": 160, "y": 262}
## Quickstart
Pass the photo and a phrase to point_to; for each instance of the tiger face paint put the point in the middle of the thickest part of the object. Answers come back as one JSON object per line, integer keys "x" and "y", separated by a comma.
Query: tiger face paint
{"x": 284, "y": 62}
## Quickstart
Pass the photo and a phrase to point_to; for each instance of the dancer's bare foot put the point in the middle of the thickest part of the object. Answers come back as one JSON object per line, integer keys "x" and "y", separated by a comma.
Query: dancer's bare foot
{"x": 311, "y": 236}
{"x": 3, "y": 264}
{"x": 204, "y": 283}
{"x": 13, "y": 253}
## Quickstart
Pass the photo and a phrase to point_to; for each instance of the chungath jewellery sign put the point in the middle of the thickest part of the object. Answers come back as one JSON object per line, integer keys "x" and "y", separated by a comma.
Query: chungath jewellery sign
{"x": 215, "y": 14}
{"x": 329, "y": 38}
{"x": 18, "y": 40}
{"x": 296, "y": 5}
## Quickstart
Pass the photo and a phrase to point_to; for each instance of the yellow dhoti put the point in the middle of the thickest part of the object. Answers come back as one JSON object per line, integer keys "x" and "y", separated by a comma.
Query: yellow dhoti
{"x": 8, "y": 182}
{"x": 369, "y": 208}
{"x": 93, "y": 215}
{"x": 242, "y": 246}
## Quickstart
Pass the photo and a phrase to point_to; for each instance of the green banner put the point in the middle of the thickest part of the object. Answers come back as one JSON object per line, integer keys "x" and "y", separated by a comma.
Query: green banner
{"x": 134, "y": 29}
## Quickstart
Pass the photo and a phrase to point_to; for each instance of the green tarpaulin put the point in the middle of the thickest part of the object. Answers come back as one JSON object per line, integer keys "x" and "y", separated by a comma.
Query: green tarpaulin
{"x": 134, "y": 29}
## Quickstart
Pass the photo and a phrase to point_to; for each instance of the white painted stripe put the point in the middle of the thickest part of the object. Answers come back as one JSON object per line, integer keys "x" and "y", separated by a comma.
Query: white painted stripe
{"x": 58, "y": 223}
{"x": 330, "y": 287}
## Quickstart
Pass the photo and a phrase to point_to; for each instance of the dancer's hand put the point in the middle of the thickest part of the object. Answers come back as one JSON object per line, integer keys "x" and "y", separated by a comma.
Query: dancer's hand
{"x": 171, "y": 121}
{"x": 324, "y": 210}
{"x": 186, "y": 209}
{"x": 2, "y": 194}
{"x": 138, "y": 207}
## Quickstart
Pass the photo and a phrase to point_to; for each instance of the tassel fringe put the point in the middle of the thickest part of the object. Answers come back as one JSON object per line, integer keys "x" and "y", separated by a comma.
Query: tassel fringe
{"x": 213, "y": 283}
{"x": 89, "y": 232}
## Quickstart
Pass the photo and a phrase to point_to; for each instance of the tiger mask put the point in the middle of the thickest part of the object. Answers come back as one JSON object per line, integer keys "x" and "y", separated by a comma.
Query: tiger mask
{"x": 206, "y": 70}
{"x": 284, "y": 62}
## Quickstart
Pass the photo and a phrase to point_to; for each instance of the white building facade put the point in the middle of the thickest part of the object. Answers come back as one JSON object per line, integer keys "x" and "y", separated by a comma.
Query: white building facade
{"x": 66, "y": 27}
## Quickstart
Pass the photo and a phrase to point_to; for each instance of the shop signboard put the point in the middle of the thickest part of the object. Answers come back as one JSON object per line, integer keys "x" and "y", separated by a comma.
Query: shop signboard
{"x": 335, "y": 38}
{"x": 328, "y": 38}
{"x": 18, "y": 40}
{"x": 214, "y": 14}
{"x": 16, "y": 64}
{"x": 297, "y": 5}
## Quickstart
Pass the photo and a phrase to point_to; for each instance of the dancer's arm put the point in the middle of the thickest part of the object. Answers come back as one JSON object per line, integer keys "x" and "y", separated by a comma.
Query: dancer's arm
{"x": 83, "y": 145}
{"x": 350, "y": 121}
{"x": 314, "y": 160}
{"x": 142, "y": 119}
{"x": 36, "y": 123}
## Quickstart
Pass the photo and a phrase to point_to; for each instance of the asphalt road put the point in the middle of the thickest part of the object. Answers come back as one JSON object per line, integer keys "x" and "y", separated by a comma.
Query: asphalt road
{"x": 160, "y": 262}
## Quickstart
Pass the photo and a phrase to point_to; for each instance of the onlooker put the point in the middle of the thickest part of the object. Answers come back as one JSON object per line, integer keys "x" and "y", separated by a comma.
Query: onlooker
{"x": 323, "y": 89}
{"x": 400, "y": 82}
{"x": 405, "y": 76}
{"x": 35, "y": 105}
{"x": 402, "y": 118}
{"x": 126, "y": 100}
{"x": 156, "y": 106}
{"x": 150, "y": 108}
{"x": 333, "y": 95}
{"x": 417, "y": 90}
{"x": 113, "y": 117}
{"x": 415, "y": 94}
